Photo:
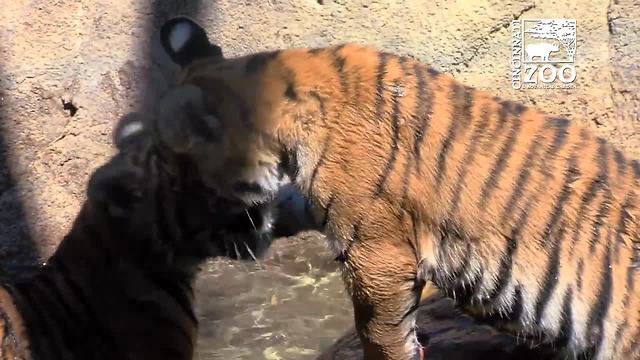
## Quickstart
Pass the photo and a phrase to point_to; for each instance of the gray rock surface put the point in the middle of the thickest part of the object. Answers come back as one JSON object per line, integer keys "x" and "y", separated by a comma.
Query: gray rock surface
{"x": 70, "y": 68}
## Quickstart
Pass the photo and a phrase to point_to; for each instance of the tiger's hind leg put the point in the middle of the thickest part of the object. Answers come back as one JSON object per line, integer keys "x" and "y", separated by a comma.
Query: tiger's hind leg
{"x": 385, "y": 290}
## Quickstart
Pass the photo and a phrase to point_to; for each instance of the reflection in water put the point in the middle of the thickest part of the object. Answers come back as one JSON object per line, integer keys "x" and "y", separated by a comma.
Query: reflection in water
{"x": 289, "y": 305}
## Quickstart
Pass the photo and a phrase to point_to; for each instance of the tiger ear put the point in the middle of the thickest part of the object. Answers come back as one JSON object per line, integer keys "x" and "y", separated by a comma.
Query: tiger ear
{"x": 131, "y": 128}
{"x": 185, "y": 41}
{"x": 183, "y": 120}
{"x": 117, "y": 186}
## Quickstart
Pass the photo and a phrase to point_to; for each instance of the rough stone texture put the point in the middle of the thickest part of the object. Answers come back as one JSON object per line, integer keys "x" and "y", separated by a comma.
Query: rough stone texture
{"x": 70, "y": 68}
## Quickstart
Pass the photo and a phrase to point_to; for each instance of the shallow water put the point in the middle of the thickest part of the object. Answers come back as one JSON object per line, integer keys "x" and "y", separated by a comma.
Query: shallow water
{"x": 290, "y": 305}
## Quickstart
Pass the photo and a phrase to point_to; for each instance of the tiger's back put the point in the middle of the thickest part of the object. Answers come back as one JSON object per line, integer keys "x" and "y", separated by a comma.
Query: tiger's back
{"x": 526, "y": 219}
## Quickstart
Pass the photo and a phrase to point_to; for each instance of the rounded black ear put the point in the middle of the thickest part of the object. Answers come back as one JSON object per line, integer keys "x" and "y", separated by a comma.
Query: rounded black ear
{"x": 185, "y": 41}
{"x": 131, "y": 127}
{"x": 117, "y": 185}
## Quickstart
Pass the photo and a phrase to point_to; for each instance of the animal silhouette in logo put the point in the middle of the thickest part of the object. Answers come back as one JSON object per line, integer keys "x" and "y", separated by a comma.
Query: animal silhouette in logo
{"x": 540, "y": 50}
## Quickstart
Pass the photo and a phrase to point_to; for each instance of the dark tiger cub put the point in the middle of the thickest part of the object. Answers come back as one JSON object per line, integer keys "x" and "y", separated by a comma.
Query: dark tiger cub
{"x": 525, "y": 218}
{"x": 119, "y": 285}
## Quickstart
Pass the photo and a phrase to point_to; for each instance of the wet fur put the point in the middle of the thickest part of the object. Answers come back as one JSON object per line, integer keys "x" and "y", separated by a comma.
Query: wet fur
{"x": 119, "y": 286}
{"x": 528, "y": 220}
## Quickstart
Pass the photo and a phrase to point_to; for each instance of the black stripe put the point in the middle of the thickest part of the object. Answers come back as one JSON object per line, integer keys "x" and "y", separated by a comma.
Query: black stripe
{"x": 621, "y": 162}
{"x": 513, "y": 314}
{"x": 517, "y": 305}
{"x": 355, "y": 236}
{"x": 405, "y": 182}
{"x": 258, "y": 61}
{"x": 319, "y": 163}
{"x": 60, "y": 314}
{"x": 92, "y": 316}
{"x": 506, "y": 261}
{"x": 416, "y": 117}
{"x": 603, "y": 157}
{"x": 327, "y": 210}
{"x": 550, "y": 279}
{"x": 579, "y": 274}
{"x": 424, "y": 108}
{"x": 506, "y": 265}
{"x": 462, "y": 292}
{"x": 41, "y": 325}
{"x": 383, "y": 57}
{"x": 289, "y": 78}
{"x": 460, "y": 119}
{"x": 595, "y": 186}
{"x": 64, "y": 313}
{"x": 338, "y": 64}
{"x": 503, "y": 115}
{"x": 631, "y": 271}
{"x": 599, "y": 310}
{"x": 503, "y": 156}
{"x": 621, "y": 228}
{"x": 566, "y": 328}
{"x": 571, "y": 175}
{"x": 561, "y": 126}
{"x": 600, "y": 220}
{"x": 316, "y": 51}
{"x": 395, "y": 139}
{"x": 177, "y": 289}
{"x": 635, "y": 166}
{"x": 469, "y": 157}
{"x": 72, "y": 313}
{"x": 523, "y": 177}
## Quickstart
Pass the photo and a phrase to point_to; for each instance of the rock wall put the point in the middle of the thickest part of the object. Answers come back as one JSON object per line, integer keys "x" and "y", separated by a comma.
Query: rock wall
{"x": 70, "y": 68}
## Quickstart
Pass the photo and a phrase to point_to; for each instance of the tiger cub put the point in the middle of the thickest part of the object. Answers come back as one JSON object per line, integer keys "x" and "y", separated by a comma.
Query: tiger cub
{"x": 119, "y": 286}
{"x": 526, "y": 219}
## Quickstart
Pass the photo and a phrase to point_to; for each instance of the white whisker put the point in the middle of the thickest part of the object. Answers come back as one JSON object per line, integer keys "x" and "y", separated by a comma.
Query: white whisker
{"x": 246, "y": 211}
{"x": 253, "y": 256}
{"x": 235, "y": 247}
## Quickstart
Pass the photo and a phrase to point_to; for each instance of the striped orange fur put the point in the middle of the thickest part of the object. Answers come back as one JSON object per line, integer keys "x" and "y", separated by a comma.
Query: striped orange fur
{"x": 528, "y": 220}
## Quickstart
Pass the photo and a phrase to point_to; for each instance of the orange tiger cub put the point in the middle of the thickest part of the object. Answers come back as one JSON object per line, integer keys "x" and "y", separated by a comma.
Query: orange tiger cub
{"x": 526, "y": 219}
{"x": 120, "y": 284}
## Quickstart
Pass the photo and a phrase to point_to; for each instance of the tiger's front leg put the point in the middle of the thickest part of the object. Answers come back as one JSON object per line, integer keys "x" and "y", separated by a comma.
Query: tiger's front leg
{"x": 381, "y": 278}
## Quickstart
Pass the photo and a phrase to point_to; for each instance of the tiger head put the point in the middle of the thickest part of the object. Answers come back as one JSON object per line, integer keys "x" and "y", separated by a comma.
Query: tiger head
{"x": 153, "y": 201}
{"x": 222, "y": 114}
